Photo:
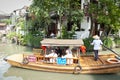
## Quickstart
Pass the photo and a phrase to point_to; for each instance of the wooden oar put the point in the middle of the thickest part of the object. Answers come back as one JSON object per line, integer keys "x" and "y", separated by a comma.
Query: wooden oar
{"x": 118, "y": 56}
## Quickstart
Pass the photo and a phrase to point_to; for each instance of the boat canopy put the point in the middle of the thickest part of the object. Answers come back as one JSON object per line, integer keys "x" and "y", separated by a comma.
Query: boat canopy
{"x": 62, "y": 42}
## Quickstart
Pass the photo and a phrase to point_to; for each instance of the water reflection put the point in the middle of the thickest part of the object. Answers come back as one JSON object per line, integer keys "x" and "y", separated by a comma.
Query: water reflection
{"x": 38, "y": 75}
{"x": 4, "y": 66}
{"x": 14, "y": 73}
{"x": 5, "y": 50}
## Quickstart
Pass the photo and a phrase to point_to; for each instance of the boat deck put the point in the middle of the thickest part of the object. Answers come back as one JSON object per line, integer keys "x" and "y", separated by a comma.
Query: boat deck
{"x": 89, "y": 60}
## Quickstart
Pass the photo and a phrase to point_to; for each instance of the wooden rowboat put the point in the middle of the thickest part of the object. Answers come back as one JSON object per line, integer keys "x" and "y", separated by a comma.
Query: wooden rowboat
{"x": 107, "y": 63}
{"x": 87, "y": 64}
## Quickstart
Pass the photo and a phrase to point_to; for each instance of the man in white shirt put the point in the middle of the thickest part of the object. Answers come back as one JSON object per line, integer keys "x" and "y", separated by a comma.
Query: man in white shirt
{"x": 97, "y": 44}
{"x": 52, "y": 56}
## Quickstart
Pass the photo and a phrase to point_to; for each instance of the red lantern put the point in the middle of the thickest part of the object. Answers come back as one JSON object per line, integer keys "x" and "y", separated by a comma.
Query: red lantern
{"x": 43, "y": 47}
{"x": 83, "y": 49}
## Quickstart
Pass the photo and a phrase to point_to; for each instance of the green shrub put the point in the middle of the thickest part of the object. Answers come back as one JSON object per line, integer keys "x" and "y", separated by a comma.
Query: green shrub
{"x": 107, "y": 41}
{"x": 117, "y": 41}
{"x": 32, "y": 40}
{"x": 36, "y": 41}
{"x": 11, "y": 35}
{"x": 87, "y": 43}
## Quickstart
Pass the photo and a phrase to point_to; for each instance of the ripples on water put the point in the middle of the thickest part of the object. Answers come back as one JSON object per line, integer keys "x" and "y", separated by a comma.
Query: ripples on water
{"x": 8, "y": 49}
{"x": 4, "y": 66}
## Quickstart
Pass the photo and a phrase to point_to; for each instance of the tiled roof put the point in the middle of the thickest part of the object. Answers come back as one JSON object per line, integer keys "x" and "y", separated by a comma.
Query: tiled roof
{"x": 2, "y": 24}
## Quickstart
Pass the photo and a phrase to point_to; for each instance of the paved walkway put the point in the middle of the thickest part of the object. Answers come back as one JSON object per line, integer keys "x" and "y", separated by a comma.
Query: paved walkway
{"x": 117, "y": 50}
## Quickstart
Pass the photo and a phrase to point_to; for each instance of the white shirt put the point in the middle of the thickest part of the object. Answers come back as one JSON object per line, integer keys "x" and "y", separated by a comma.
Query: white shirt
{"x": 51, "y": 55}
{"x": 97, "y": 43}
{"x": 68, "y": 51}
{"x": 69, "y": 56}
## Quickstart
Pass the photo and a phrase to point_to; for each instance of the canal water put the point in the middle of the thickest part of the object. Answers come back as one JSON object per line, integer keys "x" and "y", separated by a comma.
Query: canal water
{"x": 7, "y": 72}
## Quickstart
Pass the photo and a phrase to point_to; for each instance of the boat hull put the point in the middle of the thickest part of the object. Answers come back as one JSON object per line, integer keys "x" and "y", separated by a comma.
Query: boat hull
{"x": 96, "y": 68}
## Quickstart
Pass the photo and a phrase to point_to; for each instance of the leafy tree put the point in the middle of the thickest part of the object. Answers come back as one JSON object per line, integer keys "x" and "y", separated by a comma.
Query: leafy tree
{"x": 64, "y": 34}
{"x": 105, "y": 12}
{"x": 64, "y": 10}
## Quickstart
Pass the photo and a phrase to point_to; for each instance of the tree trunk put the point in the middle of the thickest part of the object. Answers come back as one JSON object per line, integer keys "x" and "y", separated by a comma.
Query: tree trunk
{"x": 119, "y": 33}
{"x": 92, "y": 28}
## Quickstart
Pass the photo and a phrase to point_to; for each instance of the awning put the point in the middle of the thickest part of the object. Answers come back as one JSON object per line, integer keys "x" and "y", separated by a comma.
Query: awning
{"x": 62, "y": 42}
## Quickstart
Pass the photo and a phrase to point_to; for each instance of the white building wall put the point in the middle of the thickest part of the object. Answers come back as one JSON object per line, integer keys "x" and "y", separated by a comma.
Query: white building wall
{"x": 85, "y": 24}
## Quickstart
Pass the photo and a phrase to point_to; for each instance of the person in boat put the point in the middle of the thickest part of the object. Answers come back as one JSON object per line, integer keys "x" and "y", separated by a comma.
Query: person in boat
{"x": 68, "y": 56}
{"x": 48, "y": 49}
{"x": 58, "y": 51}
{"x": 52, "y": 56}
{"x": 97, "y": 45}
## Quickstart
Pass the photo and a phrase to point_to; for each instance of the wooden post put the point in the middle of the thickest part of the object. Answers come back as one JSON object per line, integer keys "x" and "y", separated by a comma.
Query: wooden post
{"x": 78, "y": 50}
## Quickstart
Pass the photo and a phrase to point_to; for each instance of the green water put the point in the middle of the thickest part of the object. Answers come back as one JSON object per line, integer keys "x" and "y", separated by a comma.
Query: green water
{"x": 14, "y": 73}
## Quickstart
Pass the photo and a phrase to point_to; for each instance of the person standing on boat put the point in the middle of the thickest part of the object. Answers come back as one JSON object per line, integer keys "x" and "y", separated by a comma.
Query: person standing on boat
{"x": 97, "y": 45}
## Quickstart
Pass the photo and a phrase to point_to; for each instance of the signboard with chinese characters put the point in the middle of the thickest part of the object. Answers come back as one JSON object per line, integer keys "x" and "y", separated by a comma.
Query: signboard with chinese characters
{"x": 61, "y": 61}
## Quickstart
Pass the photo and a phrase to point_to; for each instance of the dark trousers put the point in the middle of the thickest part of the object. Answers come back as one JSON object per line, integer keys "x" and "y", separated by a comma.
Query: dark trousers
{"x": 96, "y": 54}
